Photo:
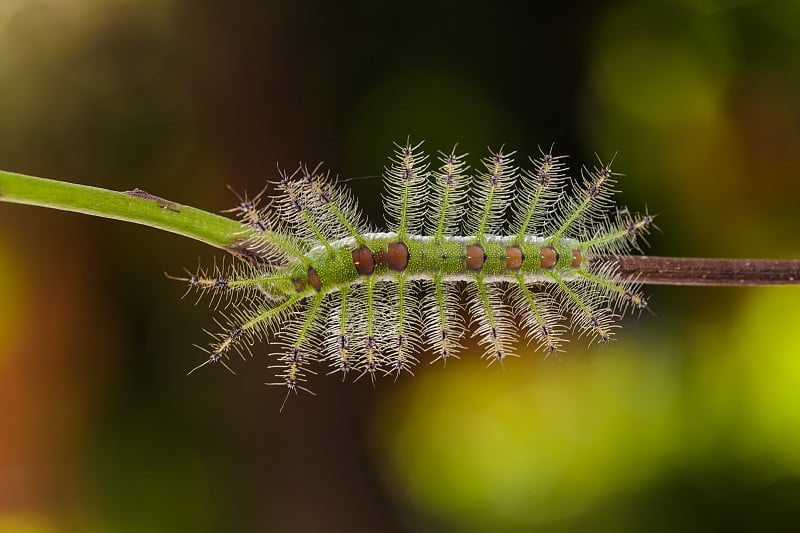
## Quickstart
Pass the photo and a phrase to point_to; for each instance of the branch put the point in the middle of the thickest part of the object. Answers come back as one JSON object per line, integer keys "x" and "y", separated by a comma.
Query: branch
{"x": 709, "y": 272}
{"x": 135, "y": 206}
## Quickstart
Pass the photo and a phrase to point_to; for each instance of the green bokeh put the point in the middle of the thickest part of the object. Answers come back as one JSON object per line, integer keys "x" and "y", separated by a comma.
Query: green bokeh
{"x": 545, "y": 444}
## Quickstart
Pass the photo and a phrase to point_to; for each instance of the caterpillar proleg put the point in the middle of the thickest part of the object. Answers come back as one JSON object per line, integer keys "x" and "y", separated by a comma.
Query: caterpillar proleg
{"x": 521, "y": 252}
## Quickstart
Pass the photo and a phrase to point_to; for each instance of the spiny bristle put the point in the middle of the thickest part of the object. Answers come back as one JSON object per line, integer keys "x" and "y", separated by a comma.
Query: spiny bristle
{"x": 333, "y": 204}
{"x": 538, "y": 313}
{"x": 214, "y": 356}
{"x": 406, "y": 187}
{"x": 249, "y": 212}
{"x": 228, "y": 339}
{"x": 540, "y": 186}
{"x": 449, "y": 196}
{"x": 215, "y": 282}
{"x": 492, "y": 320}
{"x": 523, "y": 253}
{"x": 444, "y": 324}
{"x": 588, "y": 207}
{"x": 492, "y": 193}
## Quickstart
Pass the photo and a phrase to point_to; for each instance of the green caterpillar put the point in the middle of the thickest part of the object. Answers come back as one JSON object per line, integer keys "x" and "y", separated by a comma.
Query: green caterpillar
{"x": 527, "y": 248}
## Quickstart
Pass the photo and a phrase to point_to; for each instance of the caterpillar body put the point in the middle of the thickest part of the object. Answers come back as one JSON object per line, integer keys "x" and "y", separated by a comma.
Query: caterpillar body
{"x": 524, "y": 252}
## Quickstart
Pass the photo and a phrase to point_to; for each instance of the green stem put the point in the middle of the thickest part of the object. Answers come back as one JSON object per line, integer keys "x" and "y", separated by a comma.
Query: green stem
{"x": 135, "y": 206}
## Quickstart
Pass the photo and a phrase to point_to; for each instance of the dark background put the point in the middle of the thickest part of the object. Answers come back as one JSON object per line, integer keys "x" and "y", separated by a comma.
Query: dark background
{"x": 689, "y": 421}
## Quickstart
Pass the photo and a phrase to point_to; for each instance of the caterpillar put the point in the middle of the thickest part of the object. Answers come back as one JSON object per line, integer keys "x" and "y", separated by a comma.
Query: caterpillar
{"x": 524, "y": 253}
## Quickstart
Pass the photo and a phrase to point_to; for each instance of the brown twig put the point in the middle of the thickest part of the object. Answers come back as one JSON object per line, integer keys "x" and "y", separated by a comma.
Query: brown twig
{"x": 710, "y": 272}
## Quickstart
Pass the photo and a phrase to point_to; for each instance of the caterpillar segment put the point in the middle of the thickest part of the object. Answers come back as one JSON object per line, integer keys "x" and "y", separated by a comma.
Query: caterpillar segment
{"x": 520, "y": 252}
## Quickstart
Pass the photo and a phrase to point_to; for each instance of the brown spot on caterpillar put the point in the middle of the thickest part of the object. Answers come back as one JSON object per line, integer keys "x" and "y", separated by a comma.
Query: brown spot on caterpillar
{"x": 299, "y": 284}
{"x": 549, "y": 257}
{"x": 475, "y": 257}
{"x": 162, "y": 203}
{"x": 514, "y": 257}
{"x": 577, "y": 258}
{"x": 363, "y": 260}
{"x": 398, "y": 256}
{"x": 313, "y": 279}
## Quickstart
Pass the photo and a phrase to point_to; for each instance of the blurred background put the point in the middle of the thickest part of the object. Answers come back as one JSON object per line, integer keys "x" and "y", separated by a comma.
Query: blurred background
{"x": 690, "y": 421}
